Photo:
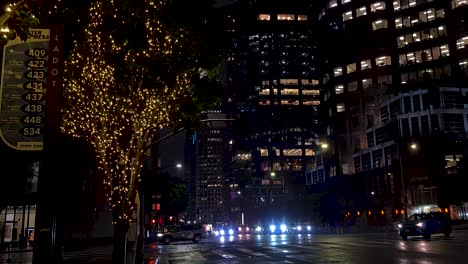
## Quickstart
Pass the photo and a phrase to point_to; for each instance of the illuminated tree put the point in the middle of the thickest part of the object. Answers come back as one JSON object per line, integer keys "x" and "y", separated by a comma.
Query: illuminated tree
{"x": 132, "y": 67}
{"x": 114, "y": 96}
{"x": 133, "y": 73}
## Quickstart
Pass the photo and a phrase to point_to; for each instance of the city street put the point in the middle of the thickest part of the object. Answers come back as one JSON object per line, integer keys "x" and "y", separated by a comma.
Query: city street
{"x": 360, "y": 248}
{"x": 338, "y": 248}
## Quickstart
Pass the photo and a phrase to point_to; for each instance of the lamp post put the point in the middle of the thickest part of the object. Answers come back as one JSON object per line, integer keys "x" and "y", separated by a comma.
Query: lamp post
{"x": 413, "y": 147}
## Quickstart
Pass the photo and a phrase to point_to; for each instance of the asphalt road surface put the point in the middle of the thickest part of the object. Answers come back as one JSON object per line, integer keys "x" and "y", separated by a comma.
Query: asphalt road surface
{"x": 330, "y": 248}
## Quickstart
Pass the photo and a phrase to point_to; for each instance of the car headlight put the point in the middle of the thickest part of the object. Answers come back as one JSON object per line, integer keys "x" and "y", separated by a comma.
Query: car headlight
{"x": 221, "y": 232}
{"x": 299, "y": 228}
{"x": 400, "y": 225}
{"x": 159, "y": 235}
{"x": 231, "y": 232}
{"x": 309, "y": 228}
{"x": 283, "y": 228}
{"x": 420, "y": 224}
{"x": 258, "y": 229}
{"x": 240, "y": 229}
{"x": 272, "y": 228}
{"x": 247, "y": 229}
{"x": 216, "y": 233}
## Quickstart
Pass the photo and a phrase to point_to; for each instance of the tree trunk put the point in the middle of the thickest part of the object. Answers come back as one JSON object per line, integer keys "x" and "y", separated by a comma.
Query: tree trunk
{"x": 120, "y": 242}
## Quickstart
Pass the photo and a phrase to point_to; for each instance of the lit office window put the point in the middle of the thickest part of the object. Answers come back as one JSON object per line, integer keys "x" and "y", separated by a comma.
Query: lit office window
{"x": 311, "y": 102}
{"x": 462, "y": 42}
{"x": 412, "y": 3}
{"x": 292, "y": 152}
{"x": 347, "y": 16}
{"x": 285, "y": 17}
{"x": 427, "y": 15}
{"x": 338, "y": 71}
{"x": 396, "y": 5}
{"x": 383, "y": 61}
{"x": 288, "y": 81}
{"x": 377, "y": 6}
{"x": 401, "y": 41}
{"x": 345, "y": 1}
{"x": 309, "y": 82}
{"x": 340, "y": 107}
{"x": 332, "y": 3}
{"x": 301, "y": 17}
{"x": 361, "y": 11}
{"x": 290, "y": 92}
{"x": 365, "y": 65}
{"x": 458, "y": 3}
{"x": 398, "y": 22}
{"x": 350, "y": 68}
{"x": 264, "y": 92}
{"x": 339, "y": 89}
{"x": 289, "y": 102}
{"x": 366, "y": 83}
{"x": 464, "y": 64}
{"x": 310, "y": 92}
{"x": 264, "y": 17}
{"x": 444, "y": 50}
{"x": 309, "y": 152}
{"x": 378, "y": 24}
{"x": 264, "y": 152}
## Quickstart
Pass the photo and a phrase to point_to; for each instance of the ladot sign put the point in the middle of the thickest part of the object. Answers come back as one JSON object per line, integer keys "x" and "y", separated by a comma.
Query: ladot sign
{"x": 29, "y": 69}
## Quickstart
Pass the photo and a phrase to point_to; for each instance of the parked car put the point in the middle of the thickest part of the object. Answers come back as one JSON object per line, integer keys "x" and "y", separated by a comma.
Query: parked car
{"x": 425, "y": 225}
{"x": 183, "y": 233}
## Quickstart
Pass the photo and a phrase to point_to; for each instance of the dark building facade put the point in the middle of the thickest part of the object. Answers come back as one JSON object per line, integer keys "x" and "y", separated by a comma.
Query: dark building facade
{"x": 385, "y": 65}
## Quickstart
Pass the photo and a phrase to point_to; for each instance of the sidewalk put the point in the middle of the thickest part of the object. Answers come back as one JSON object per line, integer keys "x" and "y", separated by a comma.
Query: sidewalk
{"x": 16, "y": 257}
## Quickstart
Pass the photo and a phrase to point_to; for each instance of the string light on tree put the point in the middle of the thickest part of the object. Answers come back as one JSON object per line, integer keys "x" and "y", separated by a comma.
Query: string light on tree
{"x": 116, "y": 113}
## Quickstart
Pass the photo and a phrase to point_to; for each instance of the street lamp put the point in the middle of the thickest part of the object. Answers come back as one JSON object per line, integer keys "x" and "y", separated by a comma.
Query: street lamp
{"x": 272, "y": 174}
{"x": 179, "y": 165}
{"x": 324, "y": 146}
{"x": 413, "y": 147}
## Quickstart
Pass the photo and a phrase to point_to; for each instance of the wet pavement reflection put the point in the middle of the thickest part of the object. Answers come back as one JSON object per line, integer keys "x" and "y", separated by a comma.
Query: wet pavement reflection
{"x": 316, "y": 248}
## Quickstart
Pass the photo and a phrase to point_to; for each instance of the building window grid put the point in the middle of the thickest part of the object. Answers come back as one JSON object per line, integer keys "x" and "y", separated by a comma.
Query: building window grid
{"x": 418, "y": 36}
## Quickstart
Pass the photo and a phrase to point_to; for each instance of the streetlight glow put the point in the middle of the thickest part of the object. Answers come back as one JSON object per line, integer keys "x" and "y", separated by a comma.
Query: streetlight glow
{"x": 324, "y": 146}
{"x": 178, "y": 165}
{"x": 413, "y": 146}
{"x": 272, "y": 174}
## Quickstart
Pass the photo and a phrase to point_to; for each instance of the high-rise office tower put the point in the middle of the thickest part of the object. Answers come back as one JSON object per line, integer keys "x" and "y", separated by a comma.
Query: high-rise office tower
{"x": 273, "y": 80}
{"x": 393, "y": 73}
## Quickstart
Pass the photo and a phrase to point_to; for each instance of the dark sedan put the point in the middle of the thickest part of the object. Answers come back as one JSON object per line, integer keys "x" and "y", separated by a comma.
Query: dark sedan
{"x": 425, "y": 225}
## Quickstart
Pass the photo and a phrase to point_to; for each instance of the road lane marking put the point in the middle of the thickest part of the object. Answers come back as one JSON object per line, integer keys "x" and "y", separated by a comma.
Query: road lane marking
{"x": 253, "y": 253}
{"x": 223, "y": 254}
{"x": 196, "y": 256}
{"x": 281, "y": 250}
